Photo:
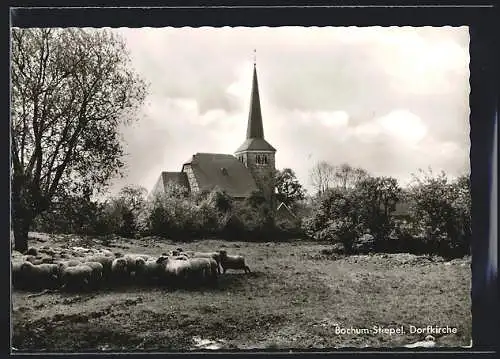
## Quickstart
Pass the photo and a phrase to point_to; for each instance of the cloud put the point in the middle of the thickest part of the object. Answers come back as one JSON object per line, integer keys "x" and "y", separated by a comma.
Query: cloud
{"x": 390, "y": 100}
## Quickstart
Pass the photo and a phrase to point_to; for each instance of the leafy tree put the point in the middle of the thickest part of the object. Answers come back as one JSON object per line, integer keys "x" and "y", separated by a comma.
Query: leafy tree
{"x": 71, "y": 90}
{"x": 125, "y": 209}
{"x": 351, "y": 215}
{"x": 377, "y": 198}
{"x": 175, "y": 190}
{"x": 71, "y": 213}
{"x": 288, "y": 188}
{"x": 441, "y": 210}
{"x": 337, "y": 218}
{"x": 134, "y": 197}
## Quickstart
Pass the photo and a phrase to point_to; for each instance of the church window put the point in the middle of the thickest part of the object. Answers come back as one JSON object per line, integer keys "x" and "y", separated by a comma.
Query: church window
{"x": 261, "y": 159}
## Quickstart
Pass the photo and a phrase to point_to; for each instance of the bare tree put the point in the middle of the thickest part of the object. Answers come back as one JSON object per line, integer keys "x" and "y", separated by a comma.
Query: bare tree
{"x": 321, "y": 176}
{"x": 71, "y": 90}
{"x": 347, "y": 176}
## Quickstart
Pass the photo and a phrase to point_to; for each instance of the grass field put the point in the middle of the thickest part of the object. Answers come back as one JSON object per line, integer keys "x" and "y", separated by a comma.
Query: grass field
{"x": 295, "y": 298}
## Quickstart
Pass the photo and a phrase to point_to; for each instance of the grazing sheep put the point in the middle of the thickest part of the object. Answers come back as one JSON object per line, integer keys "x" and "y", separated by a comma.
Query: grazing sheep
{"x": 214, "y": 255}
{"x": 17, "y": 255}
{"x": 105, "y": 261}
{"x": 39, "y": 276}
{"x": 132, "y": 260}
{"x": 214, "y": 269}
{"x": 97, "y": 270}
{"x": 232, "y": 262}
{"x": 70, "y": 263}
{"x": 32, "y": 252}
{"x": 32, "y": 259}
{"x": 47, "y": 250}
{"x": 174, "y": 272}
{"x": 120, "y": 270}
{"x": 180, "y": 251}
{"x": 200, "y": 270}
{"x": 77, "y": 277}
{"x": 47, "y": 259}
{"x": 148, "y": 271}
{"x": 106, "y": 252}
{"x": 18, "y": 281}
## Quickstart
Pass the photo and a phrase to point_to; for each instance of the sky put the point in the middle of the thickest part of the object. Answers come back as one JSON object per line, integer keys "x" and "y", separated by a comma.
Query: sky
{"x": 390, "y": 100}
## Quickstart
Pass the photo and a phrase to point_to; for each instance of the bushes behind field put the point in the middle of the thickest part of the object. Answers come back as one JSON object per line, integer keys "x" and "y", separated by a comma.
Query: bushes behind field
{"x": 360, "y": 218}
{"x": 176, "y": 214}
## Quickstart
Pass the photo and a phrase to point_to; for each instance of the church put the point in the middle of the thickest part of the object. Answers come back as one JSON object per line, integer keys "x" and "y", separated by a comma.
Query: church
{"x": 249, "y": 169}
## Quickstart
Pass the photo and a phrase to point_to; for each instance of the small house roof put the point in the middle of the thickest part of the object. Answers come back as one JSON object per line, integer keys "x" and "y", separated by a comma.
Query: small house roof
{"x": 224, "y": 171}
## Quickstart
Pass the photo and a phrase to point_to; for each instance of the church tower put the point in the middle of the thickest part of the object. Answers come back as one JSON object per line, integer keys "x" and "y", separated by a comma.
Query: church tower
{"x": 256, "y": 153}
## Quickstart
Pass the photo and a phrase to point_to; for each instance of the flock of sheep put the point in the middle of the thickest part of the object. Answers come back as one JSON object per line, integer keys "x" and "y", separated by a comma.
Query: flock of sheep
{"x": 81, "y": 268}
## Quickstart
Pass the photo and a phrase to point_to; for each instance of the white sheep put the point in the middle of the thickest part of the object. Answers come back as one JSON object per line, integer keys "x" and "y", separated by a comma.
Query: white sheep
{"x": 76, "y": 277}
{"x": 105, "y": 261}
{"x": 97, "y": 271}
{"x": 200, "y": 270}
{"x": 214, "y": 255}
{"x": 174, "y": 271}
{"x": 69, "y": 263}
{"x": 47, "y": 250}
{"x": 17, "y": 274}
{"x": 149, "y": 270}
{"x": 232, "y": 262}
{"x": 132, "y": 261}
{"x": 40, "y": 276}
{"x": 32, "y": 251}
{"x": 17, "y": 254}
{"x": 106, "y": 252}
{"x": 36, "y": 260}
{"x": 120, "y": 270}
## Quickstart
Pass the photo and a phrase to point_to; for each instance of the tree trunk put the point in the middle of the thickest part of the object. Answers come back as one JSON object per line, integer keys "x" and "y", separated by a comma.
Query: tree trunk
{"x": 21, "y": 229}
{"x": 22, "y": 212}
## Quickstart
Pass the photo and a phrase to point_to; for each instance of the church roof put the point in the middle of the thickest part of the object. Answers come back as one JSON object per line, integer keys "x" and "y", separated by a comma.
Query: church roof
{"x": 223, "y": 171}
{"x": 255, "y": 144}
{"x": 285, "y": 212}
{"x": 255, "y": 130}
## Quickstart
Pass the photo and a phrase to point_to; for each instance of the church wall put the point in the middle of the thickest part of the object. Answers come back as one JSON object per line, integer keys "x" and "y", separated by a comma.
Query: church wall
{"x": 157, "y": 189}
{"x": 193, "y": 184}
{"x": 262, "y": 166}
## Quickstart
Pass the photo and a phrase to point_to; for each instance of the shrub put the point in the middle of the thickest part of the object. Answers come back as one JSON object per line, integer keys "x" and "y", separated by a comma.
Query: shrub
{"x": 443, "y": 208}
{"x": 364, "y": 244}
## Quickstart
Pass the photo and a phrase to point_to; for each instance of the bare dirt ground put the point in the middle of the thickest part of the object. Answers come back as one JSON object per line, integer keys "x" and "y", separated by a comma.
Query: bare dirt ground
{"x": 294, "y": 298}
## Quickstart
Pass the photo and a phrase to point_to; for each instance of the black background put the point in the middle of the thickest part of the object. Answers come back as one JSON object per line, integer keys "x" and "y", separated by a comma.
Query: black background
{"x": 481, "y": 17}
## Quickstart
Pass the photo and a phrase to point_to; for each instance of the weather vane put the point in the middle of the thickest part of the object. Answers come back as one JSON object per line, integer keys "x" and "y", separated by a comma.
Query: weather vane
{"x": 254, "y": 57}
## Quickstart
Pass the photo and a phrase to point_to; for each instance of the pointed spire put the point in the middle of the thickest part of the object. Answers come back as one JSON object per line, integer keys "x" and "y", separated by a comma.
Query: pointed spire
{"x": 255, "y": 128}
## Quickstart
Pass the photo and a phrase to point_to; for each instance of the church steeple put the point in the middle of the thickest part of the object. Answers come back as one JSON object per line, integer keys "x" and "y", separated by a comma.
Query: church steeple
{"x": 256, "y": 153}
{"x": 255, "y": 128}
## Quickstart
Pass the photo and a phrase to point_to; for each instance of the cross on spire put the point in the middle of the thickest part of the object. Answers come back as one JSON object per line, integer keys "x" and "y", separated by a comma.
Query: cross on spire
{"x": 254, "y": 57}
